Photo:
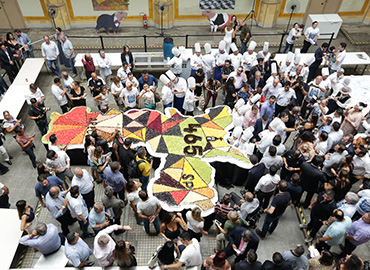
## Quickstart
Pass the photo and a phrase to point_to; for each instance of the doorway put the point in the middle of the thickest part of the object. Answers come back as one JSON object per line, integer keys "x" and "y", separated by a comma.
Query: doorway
{"x": 11, "y": 15}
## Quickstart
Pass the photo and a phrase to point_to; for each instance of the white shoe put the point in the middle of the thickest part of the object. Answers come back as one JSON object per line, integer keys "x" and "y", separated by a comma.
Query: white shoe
{"x": 199, "y": 109}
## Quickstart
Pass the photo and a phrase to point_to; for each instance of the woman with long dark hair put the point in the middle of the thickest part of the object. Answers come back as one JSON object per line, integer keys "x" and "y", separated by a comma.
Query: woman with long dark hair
{"x": 124, "y": 254}
{"x": 230, "y": 92}
{"x": 171, "y": 224}
{"x": 25, "y": 213}
{"x": 126, "y": 56}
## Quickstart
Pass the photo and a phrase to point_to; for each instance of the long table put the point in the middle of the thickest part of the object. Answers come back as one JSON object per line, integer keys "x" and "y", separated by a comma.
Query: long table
{"x": 14, "y": 98}
{"x": 10, "y": 233}
{"x": 352, "y": 59}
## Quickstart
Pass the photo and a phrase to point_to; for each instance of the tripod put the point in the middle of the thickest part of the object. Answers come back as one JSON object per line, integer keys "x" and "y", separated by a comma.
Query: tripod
{"x": 251, "y": 15}
{"x": 161, "y": 34}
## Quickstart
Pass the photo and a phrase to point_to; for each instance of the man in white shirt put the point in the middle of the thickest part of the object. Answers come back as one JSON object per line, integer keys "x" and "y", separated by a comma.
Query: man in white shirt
{"x": 239, "y": 76}
{"x": 311, "y": 35}
{"x": 249, "y": 57}
{"x": 361, "y": 165}
{"x": 69, "y": 52}
{"x": 50, "y": 53}
{"x": 79, "y": 210}
{"x": 59, "y": 163}
{"x": 175, "y": 63}
{"x": 271, "y": 89}
{"x": 278, "y": 125}
{"x": 167, "y": 95}
{"x": 272, "y": 159}
{"x": 266, "y": 186}
{"x": 104, "y": 62}
{"x": 67, "y": 81}
{"x": 148, "y": 209}
{"x": 284, "y": 97}
{"x": 338, "y": 58}
{"x": 249, "y": 205}
{"x": 85, "y": 182}
{"x": 60, "y": 95}
{"x": 336, "y": 78}
{"x": 265, "y": 52}
{"x": 123, "y": 72}
{"x": 196, "y": 59}
{"x": 179, "y": 88}
{"x": 287, "y": 65}
{"x": 36, "y": 93}
{"x": 129, "y": 96}
{"x": 335, "y": 136}
{"x": 190, "y": 253}
{"x": 104, "y": 245}
{"x": 208, "y": 61}
{"x": 235, "y": 57}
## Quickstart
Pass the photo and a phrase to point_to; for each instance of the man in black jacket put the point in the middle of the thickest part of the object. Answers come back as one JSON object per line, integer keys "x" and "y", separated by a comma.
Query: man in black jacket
{"x": 319, "y": 55}
{"x": 254, "y": 174}
{"x": 277, "y": 263}
{"x": 235, "y": 237}
{"x": 7, "y": 62}
{"x": 311, "y": 177}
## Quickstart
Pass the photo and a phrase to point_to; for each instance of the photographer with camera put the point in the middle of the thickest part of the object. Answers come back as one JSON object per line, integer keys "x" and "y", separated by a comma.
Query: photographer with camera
{"x": 37, "y": 112}
{"x": 315, "y": 92}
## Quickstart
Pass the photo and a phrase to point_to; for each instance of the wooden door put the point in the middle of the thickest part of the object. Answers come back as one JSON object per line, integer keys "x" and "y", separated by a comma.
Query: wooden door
{"x": 332, "y": 6}
{"x": 4, "y": 21}
{"x": 13, "y": 14}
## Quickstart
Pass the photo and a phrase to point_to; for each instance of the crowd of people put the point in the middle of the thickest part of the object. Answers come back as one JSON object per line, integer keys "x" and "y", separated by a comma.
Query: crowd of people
{"x": 269, "y": 101}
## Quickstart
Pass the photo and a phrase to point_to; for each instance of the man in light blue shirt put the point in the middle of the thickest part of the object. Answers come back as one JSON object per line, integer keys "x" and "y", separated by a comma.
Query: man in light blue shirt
{"x": 98, "y": 218}
{"x": 45, "y": 238}
{"x": 68, "y": 51}
{"x": 268, "y": 107}
{"x": 77, "y": 251}
{"x": 57, "y": 205}
{"x": 26, "y": 42}
{"x": 334, "y": 235}
{"x": 115, "y": 179}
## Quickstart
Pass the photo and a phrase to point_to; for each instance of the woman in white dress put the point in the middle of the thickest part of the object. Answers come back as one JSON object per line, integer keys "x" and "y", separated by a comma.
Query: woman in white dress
{"x": 229, "y": 31}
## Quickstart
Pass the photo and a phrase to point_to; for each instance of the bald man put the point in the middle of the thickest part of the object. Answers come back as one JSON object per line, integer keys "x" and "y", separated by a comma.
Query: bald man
{"x": 85, "y": 182}
{"x": 57, "y": 205}
{"x": 98, "y": 217}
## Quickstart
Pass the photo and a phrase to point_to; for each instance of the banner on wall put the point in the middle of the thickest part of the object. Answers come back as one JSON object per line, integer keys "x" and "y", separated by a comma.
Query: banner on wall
{"x": 216, "y": 4}
{"x": 100, "y": 5}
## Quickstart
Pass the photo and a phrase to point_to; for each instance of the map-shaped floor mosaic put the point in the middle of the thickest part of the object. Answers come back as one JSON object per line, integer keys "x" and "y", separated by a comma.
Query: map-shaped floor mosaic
{"x": 186, "y": 146}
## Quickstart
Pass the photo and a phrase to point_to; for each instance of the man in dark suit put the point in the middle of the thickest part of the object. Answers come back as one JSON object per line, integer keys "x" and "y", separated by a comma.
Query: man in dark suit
{"x": 319, "y": 54}
{"x": 250, "y": 262}
{"x": 256, "y": 81}
{"x": 236, "y": 236}
{"x": 254, "y": 174}
{"x": 260, "y": 125}
{"x": 311, "y": 177}
{"x": 7, "y": 62}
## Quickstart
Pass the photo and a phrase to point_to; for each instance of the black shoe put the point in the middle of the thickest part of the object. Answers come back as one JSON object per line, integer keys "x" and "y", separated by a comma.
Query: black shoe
{"x": 10, "y": 157}
{"x": 9, "y": 162}
{"x": 341, "y": 247}
{"x": 4, "y": 171}
{"x": 259, "y": 233}
{"x": 89, "y": 264}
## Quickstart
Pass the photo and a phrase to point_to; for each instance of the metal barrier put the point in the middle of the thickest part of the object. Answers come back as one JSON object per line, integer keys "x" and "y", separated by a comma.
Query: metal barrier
{"x": 185, "y": 38}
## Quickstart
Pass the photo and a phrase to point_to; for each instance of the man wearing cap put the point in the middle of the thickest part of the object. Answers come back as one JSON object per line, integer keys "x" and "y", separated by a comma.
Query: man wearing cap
{"x": 265, "y": 52}
{"x": 325, "y": 78}
{"x": 308, "y": 60}
{"x": 196, "y": 59}
{"x": 167, "y": 95}
{"x": 319, "y": 55}
{"x": 284, "y": 97}
{"x": 220, "y": 58}
{"x": 235, "y": 57}
{"x": 249, "y": 58}
{"x": 338, "y": 58}
{"x": 179, "y": 87}
{"x": 190, "y": 98}
{"x": 336, "y": 77}
{"x": 175, "y": 63}
{"x": 287, "y": 65}
{"x": 244, "y": 35}
{"x": 297, "y": 60}
{"x": 311, "y": 35}
{"x": 208, "y": 61}
{"x": 271, "y": 72}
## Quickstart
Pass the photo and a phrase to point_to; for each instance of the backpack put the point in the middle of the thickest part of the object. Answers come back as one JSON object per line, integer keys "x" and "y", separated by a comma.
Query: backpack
{"x": 133, "y": 168}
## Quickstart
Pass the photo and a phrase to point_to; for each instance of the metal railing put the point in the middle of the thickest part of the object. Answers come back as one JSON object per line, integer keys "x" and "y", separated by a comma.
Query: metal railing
{"x": 184, "y": 39}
